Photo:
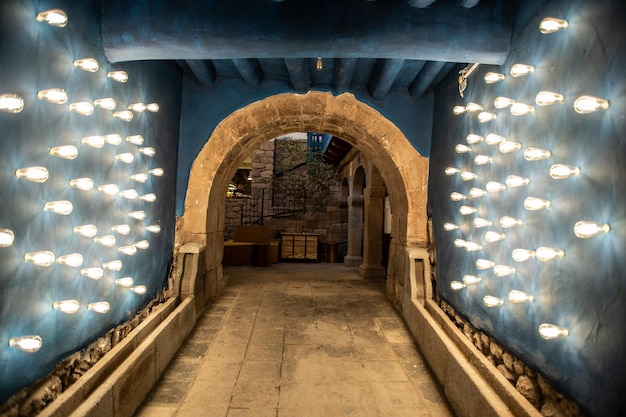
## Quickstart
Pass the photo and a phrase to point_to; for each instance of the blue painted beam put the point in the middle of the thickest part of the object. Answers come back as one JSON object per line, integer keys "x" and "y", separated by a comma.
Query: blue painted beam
{"x": 425, "y": 78}
{"x": 344, "y": 69}
{"x": 202, "y": 70}
{"x": 215, "y": 29}
{"x": 299, "y": 73}
{"x": 383, "y": 77}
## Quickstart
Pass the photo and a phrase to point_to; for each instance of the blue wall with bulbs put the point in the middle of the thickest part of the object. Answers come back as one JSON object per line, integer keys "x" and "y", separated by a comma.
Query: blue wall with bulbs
{"x": 583, "y": 291}
{"x": 36, "y": 56}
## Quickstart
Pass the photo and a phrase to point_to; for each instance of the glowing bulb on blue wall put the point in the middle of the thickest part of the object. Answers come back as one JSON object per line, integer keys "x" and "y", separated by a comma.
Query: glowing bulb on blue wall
{"x": 141, "y": 177}
{"x": 92, "y": 273}
{"x": 95, "y": 141}
{"x": 483, "y": 160}
{"x": 153, "y": 228}
{"x": 137, "y": 214}
{"x": 552, "y": 24}
{"x": 509, "y": 146}
{"x": 449, "y": 227}
{"x": 142, "y": 244}
{"x": 457, "y": 110}
{"x": 119, "y": 76}
{"x": 127, "y": 157}
{"x": 503, "y": 102}
{"x": 521, "y": 70}
{"x": 508, "y": 222}
{"x": 122, "y": 229}
{"x": 137, "y": 107}
{"x": 503, "y": 270}
{"x": 62, "y": 207}
{"x": 124, "y": 115}
{"x": 545, "y": 254}
{"x": 585, "y": 229}
{"x": 536, "y": 154}
{"x": 130, "y": 194}
{"x": 471, "y": 279}
{"x": 109, "y": 189}
{"x": 521, "y": 109}
{"x": 451, "y": 171}
{"x": 457, "y": 285}
{"x": 493, "y": 139}
{"x": 32, "y": 174}
{"x": 516, "y": 181}
{"x": 517, "y": 297}
{"x": 459, "y": 243}
{"x": 11, "y": 103}
{"x": 479, "y": 222}
{"x": 64, "y": 152}
{"x": 125, "y": 282}
{"x": 485, "y": 117}
{"x": 492, "y": 236}
{"x": 477, "y": 192}
{"x": 86, "y": 64}
{"x": 66, "y": 306}
{"x": 522, "y": 255}
{"x": 468, "y": 176}
{"x": 115, "y": 265}
{"x": 472, "y": 246}
{"x": 27, "y": 344}
{"x": 153, "y": 107}
{"x": 83, "y": 184}
{"x": 473, "y": 138}
{"x": 157, "y": 172}
{"x": 53, "y": 95}
{"x": 106, "y": 240}
{"x": 53, "y": 17}
{"x": 42, "y": 258}
{"x": 483, "y": 264}
{"x": 552, "y": 331}
{"x": 139, "y": 289}
{"x": 548, "y": 98}
{"x": 562, "y": 171}
{"x": 135, "y": 139}
{"x": 461, "y": 148}
{"x": 494, "y": 187}
{"x": 105, "y": 103}
{"x": 72, "y": 259}
{"x": 87, "y": 230}
{"x": 101, "y": 307}
{"x": 6, "y": 237}
{"x": 492, "y": 301}
{"x": 473, "y": 107}
{"x": 535, "y": 203}
{"x": 493, "y": 77}
{"x": 467, "y": 210}
{"x": 147, "y": 151}
{"x": 589, "y": 104}
{"x": 148, "y": 198}
{"x": 112, "y": 139}
{"x": 127, "y": 250}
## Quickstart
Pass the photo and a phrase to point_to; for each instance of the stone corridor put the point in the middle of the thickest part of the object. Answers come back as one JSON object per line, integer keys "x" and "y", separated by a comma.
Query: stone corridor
{"x": 298, "y": 340}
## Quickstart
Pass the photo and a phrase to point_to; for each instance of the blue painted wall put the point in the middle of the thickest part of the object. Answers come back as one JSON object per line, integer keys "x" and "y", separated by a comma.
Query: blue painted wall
{"x": 36, "y": 56}
{"x": 584, "y": 291}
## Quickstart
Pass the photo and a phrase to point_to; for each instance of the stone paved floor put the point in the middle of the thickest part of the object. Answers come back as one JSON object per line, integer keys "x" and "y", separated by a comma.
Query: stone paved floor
{"x": 298, "y": 340}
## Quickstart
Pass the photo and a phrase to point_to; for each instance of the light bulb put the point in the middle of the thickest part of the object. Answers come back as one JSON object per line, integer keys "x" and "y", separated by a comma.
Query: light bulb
{"x": 522, "y": 255}
{"x": 562, "y": 171}
{"x": 473, "y": 107}
{"x": 534, "y": 203}
{"x": 127, "y": 158}
{"x": 125, "y": 282}
{"x": 521, "y": 109}
{"x": 483, "y": 264}
{"x": 6, "y": 238}
{"x": 517, "y": 297}
{"x": 493, "y": 139}
{"x": 109, "y": 189}
{"x": 585, "y": 230}
{"x": 53, "y": 17}
{"x": 53, "y": 95}
{"x": 139, "y": 289}
{"x": 83, "y": 108}
{"x": 589, "y": 104}
{"x": 454, "y": 196}
{"x": 43, "y": 258}
{"x": 552, "y": 24}
{"x": 33, "y": 174}
{"x": 96, "y": 141}
{"x": 137, "y": 215}
{"x": 124, "y": 115}
{"x": 484, "y": 117}
{"x": 473, "y": 138}
{"x": 148, "y": 151}
{"x": 483, "y": 160}
{"x": 492, "y": 301}
{"x": 73, "y": 259}
{"x": 516, "y": 181}
{"x": 62, "y": 207}
{"x": 451, "y": 171}
{"x": 458, "y": 110}
{"x": 492, "y": 236}
{"x": 457, "y": 285}
{"x": 460, "y": 148}
{"x": 494, "y": 187}
{"x": 142, "y": 244}
{"x": 105, "y": 103}
{"x": 508, "y": 222}
{"x": 477, "y": 192}
{"x": 87, "y": 230}
{"x": 86, "y": 64}
{"x": 509, "y": 146}
{"x": 471, "y": 279}
{"x": 472, "y": 246}
{"x": 548, "y": 98}
{"x": 101, "y": 307}
{"x": 11, "y": 103}
{"x": 112, "y": 139}
{"x": 131, "y": 194}
{"x": 479, "y": 222}
{"x": 84, "y": 184}
{"x": 467, "y": 210}
{"x": 135, "y": 139}
{"x": 92, "y": 273}
{"x": 319, "y": 64}
{"x": 468, "y": 176}
{"x": 545, "y": 254}
{"x": 552, "y": 331}
{"x": 503, "y": 102}
{"x": 137, "y": 107}
{"x": 503, "y": 270}
{"x": 448, "y": 227}
{"x": 119, "y": 76}
{"x": 493, "y": 77}
{"x": 536, "y": 154}
{"x": 520, "y": 70}
{"x": 66, "y": 306}
{"x": 141, "y": 177}
{"x": 153, "y": 228}
{"x": 122, "y": 229}
{"x": 106, "y": 240}
{"x": 148, "y": 198}
{"x": 28, "y": 344}
{"x": 127, "y": 250}
{"x": 64, "y": 152}
{"x": 459, "y": 243}
{"x": 157, "y": 172}
{"x": 153, "y": 107}
{"x": 113, "y": 265}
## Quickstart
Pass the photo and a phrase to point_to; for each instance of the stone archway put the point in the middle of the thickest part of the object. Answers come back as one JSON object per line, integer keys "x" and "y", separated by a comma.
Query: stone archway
{"x": 403, "y": 169}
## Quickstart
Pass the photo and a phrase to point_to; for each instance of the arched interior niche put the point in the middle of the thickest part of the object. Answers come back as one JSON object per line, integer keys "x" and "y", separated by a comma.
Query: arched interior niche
{"x": 403, "y": 169}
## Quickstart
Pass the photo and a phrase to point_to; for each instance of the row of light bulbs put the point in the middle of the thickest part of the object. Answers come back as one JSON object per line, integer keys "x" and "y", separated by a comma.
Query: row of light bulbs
{"x": 13, "y": 103}
{"x": 583, "y": 229}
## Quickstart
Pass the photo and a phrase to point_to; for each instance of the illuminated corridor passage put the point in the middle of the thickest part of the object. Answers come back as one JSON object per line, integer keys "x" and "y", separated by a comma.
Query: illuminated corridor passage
{"x": 298, "y": 340}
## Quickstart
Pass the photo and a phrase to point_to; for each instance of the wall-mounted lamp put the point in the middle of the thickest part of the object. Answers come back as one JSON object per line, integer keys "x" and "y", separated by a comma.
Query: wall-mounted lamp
{"x": 130, "y": 194}
{"x": 86, "y": 64}
{"x": 153, "y": 228}
{"x": 127, "y": 250}
{"x": 552, "y": 24}
{"x": 86, "y": 230}
{"x": 483, "y": 264}
{"x": 127, "y": 157}
{"x": 53, "y": 95}
{"x": 11, "y": 103}
{"x": 157, "y": 172}
{"x": 522, "y": 255}
{"x": 135, "y": 139}
{"x": 494, "y": 187}
{"x": 6, "y": 237}
{"x": 142, "y": 244}
{"x": 125, "y": 282}
{"x": 137, "y": 107}
{"x": 33, "y": 174}
{"x": 72, "y": 259}
{"x": 492, "y": 236}
{"x": 147, "y": 151}
{"x": 319, "y": 65}
{"x": 152, "y": 107}
{"x": 471, "y": 279}
{"x": 492, "y": 301}
{"x": 545, "y": 254}
{"x": 122, "y": 229}
{"x": 101, "y": 307}
{"x": 516, "y": 181}
{"x": 64, "y": 152}
{"x": 479, "y": 222}
{"x": 62, "y": 207}
{"x": 509, "y": 146}
{"x": 105, "y": 103}
{"x": 548, "y": 98}
{"x": 516, "y": 296}
{"x": 521, "y": 109}
{"x": 521, "y": 70}
{"x": 585, "y": 230}
{"x": 53, "y": 17}
{"x": 552, "y": 331}
{"x": 119, "y": 76}
{"x": 562, "y": 171}
{"x": 536, "y": 154}
{"x": 449, "y": 227}
{"x": 477, "y": 192}
{"x": 503, "y": 102}
{"x": 137, "y": 215}
{"x": 589, "y": 104}
{"x": 66, "y": 306}
{"x": 535, "y": 203}
{"x": 106, "y": 240}
{"x": 115, "y": 265}
{"x": 507, "y": 222}
{"x": 457, "y": 285}
{"x": 503, "y": 270}
{"x": 124, "y": 115}
{"x": 493, "y": 77}
{"x": 42, "y": 258}
{"x": 112, "y": 139}
{"x": 148, "y": 198}
{"x": 27, "y": 344}
{"x": 96, "y": 141}
{"x": 83, "y": 108}
{"x": 139, "y": 289}
{"x": 109, "y": 189}
{"x": 484, "y": 117}
{"x": 94, "y": 273}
